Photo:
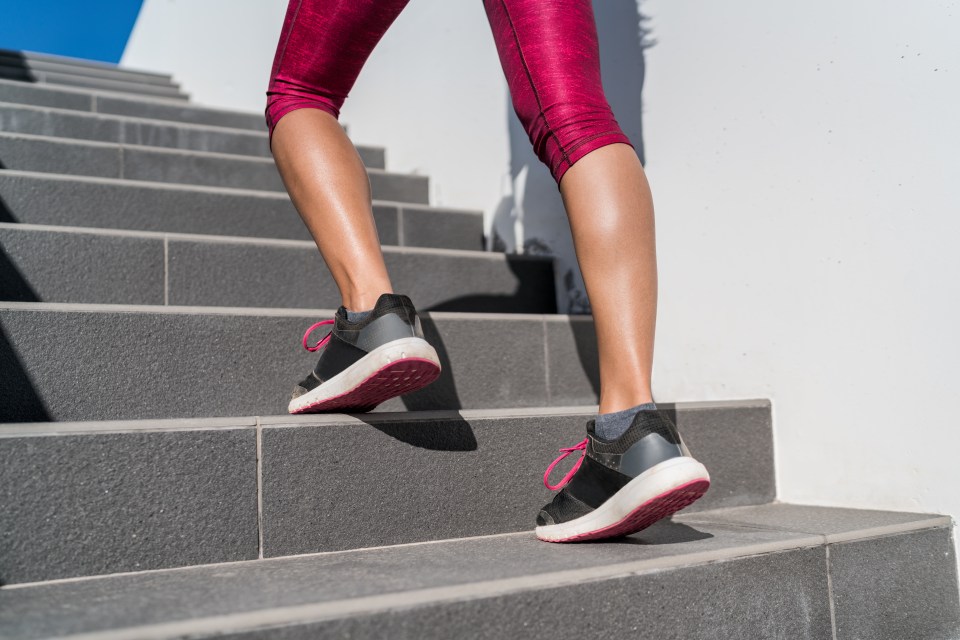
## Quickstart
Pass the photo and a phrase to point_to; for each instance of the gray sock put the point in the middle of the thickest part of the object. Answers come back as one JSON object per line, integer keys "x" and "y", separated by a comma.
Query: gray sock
{"x": 611, "y": 426}
{"x": 354, "y": 316}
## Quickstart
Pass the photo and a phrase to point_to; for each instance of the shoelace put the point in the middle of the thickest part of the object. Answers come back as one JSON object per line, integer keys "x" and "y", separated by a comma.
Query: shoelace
{"x": 323, "y": 340}
{"x": 582, "y": 446}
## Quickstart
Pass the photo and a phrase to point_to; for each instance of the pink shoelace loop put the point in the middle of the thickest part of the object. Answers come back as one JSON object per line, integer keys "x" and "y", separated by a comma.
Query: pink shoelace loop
{"x": 323, "y": 340}
{"x": 582, "y": 446}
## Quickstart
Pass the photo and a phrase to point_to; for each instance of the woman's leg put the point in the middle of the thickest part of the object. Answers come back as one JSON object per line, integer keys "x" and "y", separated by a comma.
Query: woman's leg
{"x": 634, "y": 470}
{"x": 322, "y": 48}
{"x": 379, "y": 351}
{"x": 610, "y": 208}
{"x": 550, "y": 55}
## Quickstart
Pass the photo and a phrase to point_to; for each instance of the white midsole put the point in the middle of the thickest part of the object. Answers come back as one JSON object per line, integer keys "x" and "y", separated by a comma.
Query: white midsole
{"x": 365, "y": 367}
{"x": 653, "y": 482}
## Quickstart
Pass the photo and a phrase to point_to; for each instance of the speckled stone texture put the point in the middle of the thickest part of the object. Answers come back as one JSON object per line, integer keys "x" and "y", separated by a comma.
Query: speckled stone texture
{"x": 780, "y": 589}
{"x": 775, "y": 596}
{"x": 45, "y": 266}
{"x": 436, "y": 227}
{"x": 27, "y": 153}
{"x": 896, "y": 587}
{"x": 109, "y": 160}
{"x": 104, "y": 503}
{"x": 141, "y": 107}
{"x": 268, "y": 275}
{"x": 36, "y": 198}
{"x": 112, "y": 204}
{"x": 209, "y": 364}
{"x": 42, "y": 95}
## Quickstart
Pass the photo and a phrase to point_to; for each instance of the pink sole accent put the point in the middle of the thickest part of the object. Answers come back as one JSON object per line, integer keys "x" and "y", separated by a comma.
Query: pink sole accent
{"x": 664, "y": 505}
{"x": 394, "y": 379}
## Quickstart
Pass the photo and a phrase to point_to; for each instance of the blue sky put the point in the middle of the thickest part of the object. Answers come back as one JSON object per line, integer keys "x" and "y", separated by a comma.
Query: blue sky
{"x": 92, "y": 29}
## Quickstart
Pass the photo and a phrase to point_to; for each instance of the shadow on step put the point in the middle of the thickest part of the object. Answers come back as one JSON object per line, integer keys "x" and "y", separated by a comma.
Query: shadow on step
{"x": 13, "y": 285}
{"x": 19, "y": 401}
{"x": 454, "y": 434}
{"x": 535, "y": 292}
{"x": 664, "y": 532}
{"x": 6, "y": 215}
{"x": 14, "y": 66}
{"x": 441, "y": 393}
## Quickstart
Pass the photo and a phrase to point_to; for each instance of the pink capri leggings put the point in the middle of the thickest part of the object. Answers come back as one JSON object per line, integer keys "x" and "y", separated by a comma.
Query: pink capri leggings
{"x": 548, "y": 50}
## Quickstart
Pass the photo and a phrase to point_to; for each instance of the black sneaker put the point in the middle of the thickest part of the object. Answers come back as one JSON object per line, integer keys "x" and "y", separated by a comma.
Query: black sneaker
{"x": 621, "y": 486}
{"x": 369, "y": 361}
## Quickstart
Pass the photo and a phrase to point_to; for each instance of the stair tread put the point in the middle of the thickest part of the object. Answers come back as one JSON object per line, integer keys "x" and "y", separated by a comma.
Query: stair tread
{"x": 248, "y": 595}
{"x": 13, "y": 429}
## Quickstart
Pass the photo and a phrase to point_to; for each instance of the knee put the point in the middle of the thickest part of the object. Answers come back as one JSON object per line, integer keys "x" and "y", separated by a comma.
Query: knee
{"x": 565, "y": 132}
{"x": 282, "y": 100}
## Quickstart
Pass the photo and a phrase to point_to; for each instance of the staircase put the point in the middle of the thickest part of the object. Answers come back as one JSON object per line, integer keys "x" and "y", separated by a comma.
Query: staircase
{"x": 155, "y": 283}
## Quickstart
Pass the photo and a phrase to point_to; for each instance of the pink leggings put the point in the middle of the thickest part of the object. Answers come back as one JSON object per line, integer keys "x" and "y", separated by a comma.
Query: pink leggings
{"x": 548, "y": 50}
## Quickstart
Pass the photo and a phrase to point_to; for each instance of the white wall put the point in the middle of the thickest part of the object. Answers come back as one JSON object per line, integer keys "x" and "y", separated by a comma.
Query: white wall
{"x": 800, "y": 155}
{"x": 221, "y": 51}
{"x": 432, "y": 91}
{"x": 803, "y": 158}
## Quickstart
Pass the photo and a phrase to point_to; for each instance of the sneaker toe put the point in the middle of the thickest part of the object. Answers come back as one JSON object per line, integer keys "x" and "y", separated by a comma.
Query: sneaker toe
{"x": 544, "y": 518}
{"x": 297, "y": 392}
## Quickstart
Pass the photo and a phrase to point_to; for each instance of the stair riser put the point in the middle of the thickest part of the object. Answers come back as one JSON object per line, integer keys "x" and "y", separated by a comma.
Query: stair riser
{"x": 52, "y": 155}
{"x": 99, "y": 128}
{"x": 115, "y": 104}
{"x": 177, "y": 498}
{"x": 112, "y": 204}
{"x": 170, "y": 92}
{"x": 122, "y": 269}
{"x": 19, "y": 61}
{"x": 133, "y": 363}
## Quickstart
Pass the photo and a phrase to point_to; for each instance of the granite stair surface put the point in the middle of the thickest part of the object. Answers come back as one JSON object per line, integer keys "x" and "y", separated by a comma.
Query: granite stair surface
{"x": 155, "y": 282}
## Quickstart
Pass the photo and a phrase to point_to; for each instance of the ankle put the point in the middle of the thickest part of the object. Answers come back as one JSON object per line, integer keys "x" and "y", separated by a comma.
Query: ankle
{"x": 613, "y": 402}
{"x": 364, "y": 300}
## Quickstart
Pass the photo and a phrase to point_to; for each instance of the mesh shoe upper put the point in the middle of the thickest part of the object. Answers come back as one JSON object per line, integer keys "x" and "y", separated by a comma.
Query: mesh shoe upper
{"x": 393, "y": 317}
{"x": 608, "y": 465}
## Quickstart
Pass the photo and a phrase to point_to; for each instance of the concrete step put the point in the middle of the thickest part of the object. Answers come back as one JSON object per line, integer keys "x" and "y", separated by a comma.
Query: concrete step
{"x": 25, "y": 152}
{"x": 109, "y": 102}
{"x": 47, "y": 199}
{"x": 793, "y": 572}
{"x": 65, "y": 123}
{"x": 101, "y": 362}
{"x": 136, "y": 495}
{"x": 77, "y": 66}
{"x": 127, "y": 267}
{"x": 39, "y": 63}
{"x": 170, "y": 92}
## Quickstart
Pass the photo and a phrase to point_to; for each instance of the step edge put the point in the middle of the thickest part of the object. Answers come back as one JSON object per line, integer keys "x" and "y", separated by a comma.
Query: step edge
{"x": 73, "y": 307}
{"x": 175, "y": 236}
{"x": 151, "y": 425}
